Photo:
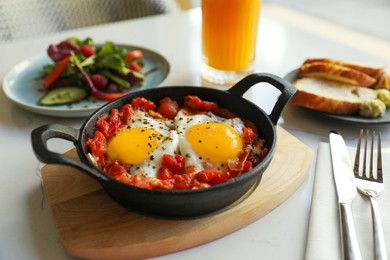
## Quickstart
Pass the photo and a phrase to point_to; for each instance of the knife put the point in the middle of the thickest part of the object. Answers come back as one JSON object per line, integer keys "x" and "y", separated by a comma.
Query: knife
{"x": 346, "y": 191}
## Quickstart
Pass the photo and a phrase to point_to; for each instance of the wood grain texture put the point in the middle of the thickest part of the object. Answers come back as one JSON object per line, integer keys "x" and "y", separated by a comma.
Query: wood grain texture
{"x": 93, "y": 226}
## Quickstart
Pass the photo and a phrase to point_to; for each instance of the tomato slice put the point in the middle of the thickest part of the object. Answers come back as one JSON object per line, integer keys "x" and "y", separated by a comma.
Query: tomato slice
{"x": 164, "y": 174}
{"x": 134, "y": 54}
{"x": 134, "y": 67}
{"x": 168, "y": 108}
{"x": 143, "y": 103}
{"x": 174, "y": 163}
{"x": 98, "y": 144}
{"x": 182, "y": 182}
{"x": 213, "y": 176}
{"x": 194, "y": 102}
{"x": 87, "y": 50}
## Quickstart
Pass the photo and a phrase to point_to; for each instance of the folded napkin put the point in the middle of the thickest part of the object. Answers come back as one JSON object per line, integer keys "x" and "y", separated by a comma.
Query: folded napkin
{"x": 324, "y": 234}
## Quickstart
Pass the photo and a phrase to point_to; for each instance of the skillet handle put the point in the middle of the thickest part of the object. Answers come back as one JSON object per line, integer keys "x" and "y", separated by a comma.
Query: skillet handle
{"x": 287, "y": 90}
{"x": 42, "y": 134}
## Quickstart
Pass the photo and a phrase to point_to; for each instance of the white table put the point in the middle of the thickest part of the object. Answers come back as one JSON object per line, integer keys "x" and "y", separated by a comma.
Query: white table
{"x": 286, "y": 38}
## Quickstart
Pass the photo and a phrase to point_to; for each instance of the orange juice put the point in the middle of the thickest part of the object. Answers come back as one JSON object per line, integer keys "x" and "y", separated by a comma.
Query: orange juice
{"x": 229, "y": 32}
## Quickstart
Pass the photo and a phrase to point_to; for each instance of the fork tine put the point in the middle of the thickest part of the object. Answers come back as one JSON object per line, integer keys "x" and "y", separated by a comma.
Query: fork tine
{"x": 379, "y": 175}
{"x": 357, "y": 155}
{"x": 364, "y": 174}
{"x": 371, "y": 172}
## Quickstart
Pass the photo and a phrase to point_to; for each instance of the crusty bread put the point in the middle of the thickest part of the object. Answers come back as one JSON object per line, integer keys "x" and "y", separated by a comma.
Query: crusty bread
{"x": 383, "y": 82}
{"x": 329, "y": 96}
{"x": 336, "y": 72}
{"x": 371, "y": 70}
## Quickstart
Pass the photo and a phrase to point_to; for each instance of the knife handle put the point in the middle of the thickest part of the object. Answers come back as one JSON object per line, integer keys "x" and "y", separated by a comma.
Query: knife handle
{"x": 350, "y": 245}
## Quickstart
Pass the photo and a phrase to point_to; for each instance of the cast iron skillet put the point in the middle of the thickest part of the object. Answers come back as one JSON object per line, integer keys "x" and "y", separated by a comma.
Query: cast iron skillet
{"x": 185, "y": 203}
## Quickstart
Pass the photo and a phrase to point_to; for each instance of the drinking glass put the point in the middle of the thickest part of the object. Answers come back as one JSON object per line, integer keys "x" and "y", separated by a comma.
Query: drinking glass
{"x": 229, "y": 34}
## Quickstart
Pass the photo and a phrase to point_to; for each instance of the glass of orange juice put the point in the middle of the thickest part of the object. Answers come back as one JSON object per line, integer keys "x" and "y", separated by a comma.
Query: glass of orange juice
{"x": 229, "y": 33}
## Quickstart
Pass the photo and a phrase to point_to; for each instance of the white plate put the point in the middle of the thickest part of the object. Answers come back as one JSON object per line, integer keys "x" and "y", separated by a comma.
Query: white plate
{"x": 22, "y": 86}
{"x": 293, "y": 76}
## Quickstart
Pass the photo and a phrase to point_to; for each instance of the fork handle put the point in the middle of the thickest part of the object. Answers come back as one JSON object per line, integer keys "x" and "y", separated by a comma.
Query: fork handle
{"x": 380, "y": 246}
{"x": 350, "y": 245}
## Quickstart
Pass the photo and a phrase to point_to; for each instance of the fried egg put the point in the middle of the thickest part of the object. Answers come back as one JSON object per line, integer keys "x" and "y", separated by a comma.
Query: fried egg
{"x": 208, "y": 141}
{"x": 142, "y": 143}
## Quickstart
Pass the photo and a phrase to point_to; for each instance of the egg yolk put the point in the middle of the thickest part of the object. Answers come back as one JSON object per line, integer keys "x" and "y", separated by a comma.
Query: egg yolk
{"x": 132, "y": 145}
{"x": 214, "y": 142}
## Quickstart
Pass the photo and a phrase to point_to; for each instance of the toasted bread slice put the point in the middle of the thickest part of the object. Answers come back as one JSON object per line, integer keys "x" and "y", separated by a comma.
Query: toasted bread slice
{"x": 371, "y": 70}
{"x": 383, "y": 82}
{"x": 329, "y": 96}
{"x": 333, "y": 71}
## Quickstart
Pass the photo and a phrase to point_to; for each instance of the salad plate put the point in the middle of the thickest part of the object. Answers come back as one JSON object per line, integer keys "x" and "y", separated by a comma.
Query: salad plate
{"x": 293, "y": 76}
{"x": 23, "y": 86}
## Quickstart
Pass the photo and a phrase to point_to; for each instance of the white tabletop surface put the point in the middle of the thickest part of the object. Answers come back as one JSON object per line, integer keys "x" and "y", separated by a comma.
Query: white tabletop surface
{"x": 286, "y": 38}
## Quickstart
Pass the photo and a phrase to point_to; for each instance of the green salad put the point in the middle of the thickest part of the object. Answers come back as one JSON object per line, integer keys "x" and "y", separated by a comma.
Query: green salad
{"x": 82, "y": 68}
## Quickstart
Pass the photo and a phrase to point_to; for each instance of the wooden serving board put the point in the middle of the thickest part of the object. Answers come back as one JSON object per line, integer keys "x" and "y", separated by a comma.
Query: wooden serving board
{"x": 93, "y": 226}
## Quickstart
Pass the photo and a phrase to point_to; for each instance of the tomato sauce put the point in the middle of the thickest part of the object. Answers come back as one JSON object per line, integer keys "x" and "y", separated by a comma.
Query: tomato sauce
{"x": 172, "y": 174}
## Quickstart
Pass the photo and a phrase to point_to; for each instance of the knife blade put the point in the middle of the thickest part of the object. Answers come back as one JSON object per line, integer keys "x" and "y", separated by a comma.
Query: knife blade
{"x": 346, "y": 192}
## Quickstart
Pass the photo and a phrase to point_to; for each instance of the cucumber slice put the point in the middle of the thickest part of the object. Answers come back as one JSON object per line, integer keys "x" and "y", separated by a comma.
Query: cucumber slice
{"x": 63, "y": 96}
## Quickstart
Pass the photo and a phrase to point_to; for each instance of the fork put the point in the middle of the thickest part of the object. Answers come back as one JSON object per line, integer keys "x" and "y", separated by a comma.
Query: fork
{"x": 372, "y": 187}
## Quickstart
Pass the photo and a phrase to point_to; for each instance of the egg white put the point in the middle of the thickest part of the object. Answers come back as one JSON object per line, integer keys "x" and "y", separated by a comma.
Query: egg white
{"x": 141, "y": 119}
{"x": 149, "y": 167}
